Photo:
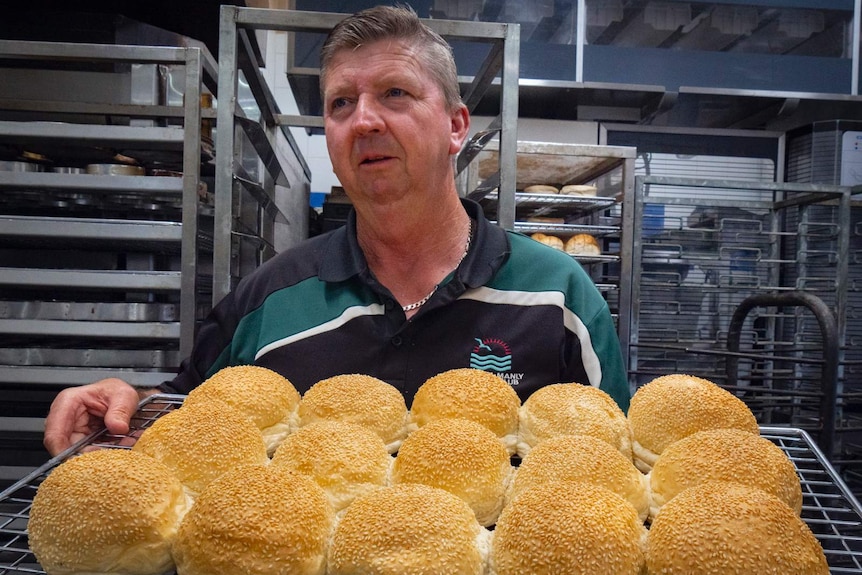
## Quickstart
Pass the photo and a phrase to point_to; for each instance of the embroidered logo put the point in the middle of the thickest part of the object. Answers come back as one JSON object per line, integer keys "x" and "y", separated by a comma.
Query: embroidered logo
{"x": 491, "y": 355}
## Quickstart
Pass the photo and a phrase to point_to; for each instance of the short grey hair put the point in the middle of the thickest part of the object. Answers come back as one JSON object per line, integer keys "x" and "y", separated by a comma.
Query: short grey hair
{"x": 401, "y": 23}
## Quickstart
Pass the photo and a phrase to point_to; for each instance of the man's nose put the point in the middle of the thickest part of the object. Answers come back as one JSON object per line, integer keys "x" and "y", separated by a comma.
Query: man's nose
{"x": 366, "y": 116}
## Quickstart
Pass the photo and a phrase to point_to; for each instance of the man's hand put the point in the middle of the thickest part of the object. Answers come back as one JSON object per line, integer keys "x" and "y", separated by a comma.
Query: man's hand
{"x": 77, "y": 412}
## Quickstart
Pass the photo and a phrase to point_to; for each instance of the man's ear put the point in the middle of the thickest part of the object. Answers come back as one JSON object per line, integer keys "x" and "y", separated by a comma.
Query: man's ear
{"x": 460, "y": 128}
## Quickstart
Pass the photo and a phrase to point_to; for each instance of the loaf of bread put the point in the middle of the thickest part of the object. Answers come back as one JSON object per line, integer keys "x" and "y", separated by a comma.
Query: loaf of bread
{"x": 107, "y": 511}
{"x": 346, "y": 459}
{"x": 724, "y": 455}
{"x": 408, "y": 529}
{"x": 697, "y": 404}
{"x": 548, "y": 240}
{"x": 720, "y": 527}
{"x": 582, "y": 245}
{"x": 360, "y": 399}
{"x": 568, "y": 527}
{"x": 541, "y": 189}
{"x": 572, "y": 409}
{"x": 578, "y": 190}
{"x": 461, "y": 456}
{"x": 584, "y": 459}
{"x": 267, "y": 397}
{"x": 256, "y": 519}
{"x": 200, "y": 442}
{"x": 469, "y": 393}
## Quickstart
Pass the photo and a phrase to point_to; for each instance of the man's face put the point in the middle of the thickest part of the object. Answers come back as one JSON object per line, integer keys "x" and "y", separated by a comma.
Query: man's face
{"x": 387, "y": 127}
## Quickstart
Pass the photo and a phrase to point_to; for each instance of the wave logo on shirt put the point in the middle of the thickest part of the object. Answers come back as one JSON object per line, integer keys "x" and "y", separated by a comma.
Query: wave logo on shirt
{"x": 491, "y": 355}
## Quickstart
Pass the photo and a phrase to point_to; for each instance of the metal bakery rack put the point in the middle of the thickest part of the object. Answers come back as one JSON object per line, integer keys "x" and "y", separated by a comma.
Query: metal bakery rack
{"x": 828, "y": 507}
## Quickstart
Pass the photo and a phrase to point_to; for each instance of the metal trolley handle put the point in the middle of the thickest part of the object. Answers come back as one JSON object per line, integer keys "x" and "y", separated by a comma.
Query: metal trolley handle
{"x": 829, "y": 369}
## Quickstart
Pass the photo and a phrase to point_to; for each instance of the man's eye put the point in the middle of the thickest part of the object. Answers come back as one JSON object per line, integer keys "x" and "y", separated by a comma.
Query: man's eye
{"x": 338, "y": 103}
{"x": 397, "y": 92}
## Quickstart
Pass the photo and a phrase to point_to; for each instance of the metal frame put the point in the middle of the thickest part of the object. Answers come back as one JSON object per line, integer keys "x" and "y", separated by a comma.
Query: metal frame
{"x": 199, "y": 68}
{"x": 781, "y": 272}
{"x": 236, "y": 52}
{"x": 586, "y": 163}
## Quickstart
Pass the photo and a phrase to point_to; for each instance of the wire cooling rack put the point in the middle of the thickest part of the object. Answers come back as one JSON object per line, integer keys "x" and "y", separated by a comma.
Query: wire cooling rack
{"x": 828, "y": 507}
{"x": 15, "y": 501}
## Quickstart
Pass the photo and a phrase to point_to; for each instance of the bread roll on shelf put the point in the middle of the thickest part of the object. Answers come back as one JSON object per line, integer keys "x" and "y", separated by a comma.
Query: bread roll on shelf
{"x": 200, "y": 442}
{"x": 472, "y": 394}
{"x": 541, "y": 189}
{"x": 548, "y": 240}
{"x": 720, "y": 527}
{"x": 346, "y": 459}
{"x": 697, "y": 404}
{"x": 579, "y": 190}
{"x": 359, "y": 399}
{"x": 568, "y": 527}
{"x": 267, "y": 397}
{"x": 724, "y": 455}
{"x": 256, "y": 519}
{"x": 572, "y": 409}
{"x": 583, "y": 459}
{"x": 462, "y": 457}
{"x": 582, "y": 245}
{"x": 409, "y": 529}
{"x": 107, "y": 511}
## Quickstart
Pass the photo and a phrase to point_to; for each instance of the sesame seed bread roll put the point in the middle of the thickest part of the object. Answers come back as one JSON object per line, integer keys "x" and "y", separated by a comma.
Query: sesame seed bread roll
{"x": 107, "y": 511}
{"x": 568, "y": 527}
{"x": 462, "y": 457}
{"x": 200, "y": 442}
{"x": 584, "y": 459}
{"x": 347, "y": 460}
{"x": 267, "y": 397}
{"x": 572, "y": 409}
{"x": 408, "y": 529}
{"x": 255, "y": 520}
{"x": 724, "y": 455}
{"x": 674, "y": 406}
{"x": 472, "y": 394}
{"x": 721, "y": 527}
{"x": 360, "y": 399}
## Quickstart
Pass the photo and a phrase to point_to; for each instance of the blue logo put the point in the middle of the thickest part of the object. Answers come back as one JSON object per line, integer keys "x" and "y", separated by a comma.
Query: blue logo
{"x": 491, "y": 355}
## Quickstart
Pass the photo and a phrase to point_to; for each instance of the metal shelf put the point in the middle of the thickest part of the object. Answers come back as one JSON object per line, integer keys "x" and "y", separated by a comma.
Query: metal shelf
{"x": 50, "y": 133}
{"x": 103, "y": 280}
{"x": 140, "y": 229}
{"x": 90, "y": 183}
{"x": 64, "y": 229}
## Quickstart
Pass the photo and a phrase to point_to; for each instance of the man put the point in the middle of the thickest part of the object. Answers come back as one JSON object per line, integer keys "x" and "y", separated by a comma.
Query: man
{"x": 417, "y": 283}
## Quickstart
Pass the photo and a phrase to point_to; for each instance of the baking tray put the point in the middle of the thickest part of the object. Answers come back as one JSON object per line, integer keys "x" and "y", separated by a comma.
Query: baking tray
{"x": 828, "y": 507}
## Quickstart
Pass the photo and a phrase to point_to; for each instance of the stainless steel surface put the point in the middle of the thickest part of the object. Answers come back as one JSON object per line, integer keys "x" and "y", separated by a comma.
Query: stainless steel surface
{"x": 829, "y": 509}
{"x": 115, "y": 170}
{"x": 106, "y": 229}
{"x": 15, "y": 166}
{"x": 99, "y": 213}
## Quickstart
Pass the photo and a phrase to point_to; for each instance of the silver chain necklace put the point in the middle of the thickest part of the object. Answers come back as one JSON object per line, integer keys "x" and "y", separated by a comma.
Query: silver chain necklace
{"x": 424, "y": 300}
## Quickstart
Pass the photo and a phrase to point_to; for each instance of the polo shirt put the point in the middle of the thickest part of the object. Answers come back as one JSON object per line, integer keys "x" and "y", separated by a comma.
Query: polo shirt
{"x": 517, "y": 308}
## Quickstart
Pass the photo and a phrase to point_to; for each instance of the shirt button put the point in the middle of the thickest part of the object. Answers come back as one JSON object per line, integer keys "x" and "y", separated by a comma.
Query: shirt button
{"x": 397, "y": 341}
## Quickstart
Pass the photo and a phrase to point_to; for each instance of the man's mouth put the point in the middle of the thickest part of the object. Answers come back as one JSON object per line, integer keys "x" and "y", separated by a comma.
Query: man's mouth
{"x": 374, "y": 159}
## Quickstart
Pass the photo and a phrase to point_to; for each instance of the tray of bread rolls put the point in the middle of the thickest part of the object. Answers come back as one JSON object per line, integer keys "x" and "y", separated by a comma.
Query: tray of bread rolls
{"x": 246, "y": 475}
